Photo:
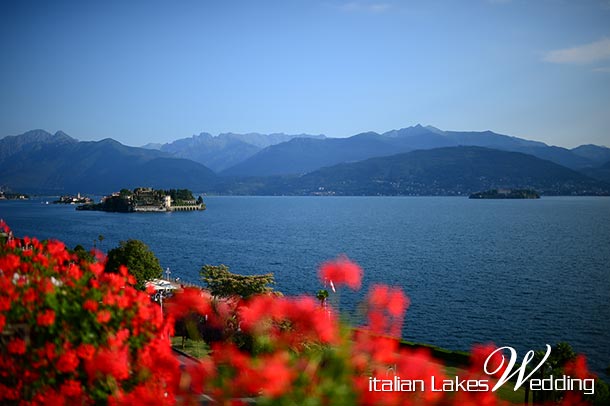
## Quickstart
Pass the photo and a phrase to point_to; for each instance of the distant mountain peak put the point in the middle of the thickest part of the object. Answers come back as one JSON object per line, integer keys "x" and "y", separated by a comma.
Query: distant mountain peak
{"x": 109, "y": 140}
{"x": 415, "y": 130}
{"x": 434, "y": 129}
{"x": 36, "y": 131}
{"x": 38, "y": 136}
{"x": 596, "y": 154}
{"x": 584, "y": 146}
{"x": 367, "y": 134}
{"x": 226, "y": 149}
{"x": 152, "y": 145}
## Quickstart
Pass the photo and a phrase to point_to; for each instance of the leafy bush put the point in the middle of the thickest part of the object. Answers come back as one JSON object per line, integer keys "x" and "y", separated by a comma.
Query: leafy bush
{"x": 223, "y": 283}
{"x": 138, "y": 258}
{"x": 74, "y": 334}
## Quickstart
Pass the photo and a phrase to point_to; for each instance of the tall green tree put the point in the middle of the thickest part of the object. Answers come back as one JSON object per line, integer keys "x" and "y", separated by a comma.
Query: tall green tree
{"x": 322, "y": 296}
{"x": 223, "y": 283}
{"x": 138, "y": 258}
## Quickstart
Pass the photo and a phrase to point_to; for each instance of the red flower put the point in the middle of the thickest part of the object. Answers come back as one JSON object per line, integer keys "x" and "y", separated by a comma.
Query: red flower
{"x": 34, "y": 272}
{"x": 419, "y": 365}
{"x": 71, "y": 388}
{"x": 67, "y": 362}
{"x": 341, "y": 271}
{"x": 49, "y": 351}
{"x": 109, "y": 299}
{"x": 85, "y": 351}
{"x": 46, "y": 318}
{"x": 387, "y": 307}
{"x": 190, "y": 300}
{"x": 9, "y": 262}
{"x": 123, "y": 301}
{"x": 276, "y": 375}
{"x": 392, "y": 299}
{"x": 74, "y": 272}
{"x": 256, "y": 310}
{"x": 479, "y": 355}
{"x": 118, "y": 339}
{"x": 16, "y": 346}
{"x": 57, "y": 249}
{"x": 90, "y": 305}
{"x": 30, "y": 295}
{"x": 103, "y": 316}
{"x": 578, "y": 368}
{"x": 109, "y": 362}
{"x": 97, "y": 268}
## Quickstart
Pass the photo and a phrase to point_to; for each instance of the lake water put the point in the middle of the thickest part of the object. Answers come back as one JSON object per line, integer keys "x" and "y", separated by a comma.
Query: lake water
{"x": 521, "y": 273}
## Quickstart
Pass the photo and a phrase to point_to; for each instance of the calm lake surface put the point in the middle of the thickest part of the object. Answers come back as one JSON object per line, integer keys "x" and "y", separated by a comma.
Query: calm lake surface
{"x": 522, "y": 273}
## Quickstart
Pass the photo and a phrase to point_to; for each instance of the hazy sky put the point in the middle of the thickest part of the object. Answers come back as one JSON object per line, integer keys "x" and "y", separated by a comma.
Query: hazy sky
{"x": 148, "y": 71}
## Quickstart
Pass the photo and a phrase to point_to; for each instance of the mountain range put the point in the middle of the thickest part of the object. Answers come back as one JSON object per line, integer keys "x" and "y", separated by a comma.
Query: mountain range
{"x": 41, "y": 162}
{"x": 449, "y": 171}
{"x": 413, "y": 160}
{"x": 299, "y": 156}
{"x": 225, "y": 150}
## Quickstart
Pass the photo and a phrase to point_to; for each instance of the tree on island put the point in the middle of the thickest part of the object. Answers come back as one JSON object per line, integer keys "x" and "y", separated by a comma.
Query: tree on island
{"x": 125, "y": 193}
{"x": 223, "y": 283}
{"x": 138, "y": 258}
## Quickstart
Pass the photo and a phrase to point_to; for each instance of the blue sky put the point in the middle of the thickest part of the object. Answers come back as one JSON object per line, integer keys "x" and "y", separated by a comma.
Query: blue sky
{"x": 155, "y": 71}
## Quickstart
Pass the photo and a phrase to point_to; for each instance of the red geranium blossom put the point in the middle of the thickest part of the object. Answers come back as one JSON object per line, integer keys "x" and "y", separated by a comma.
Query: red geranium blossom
{"x": 90, "y": 305}
{"x": 67, "y": 362}
{"x": 103, "y": 316}
{"x": 71, "y": 388}
{"x": 341, "y": 271}
{"x": 46, "y": 318}
{"x": 479, "y": 355}
{"x": 190, "y": 300}
{"x": 102, "y": 324}
{"x": 16, "y": 346}
{"x": 578, "y": 368}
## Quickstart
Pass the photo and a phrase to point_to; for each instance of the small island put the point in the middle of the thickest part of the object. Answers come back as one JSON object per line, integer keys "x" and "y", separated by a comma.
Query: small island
{"x": 78, "y": 199}
{"x": 148, "y": 200}
{"x": 13, "y": 196}
{"x": 506, "y": 194}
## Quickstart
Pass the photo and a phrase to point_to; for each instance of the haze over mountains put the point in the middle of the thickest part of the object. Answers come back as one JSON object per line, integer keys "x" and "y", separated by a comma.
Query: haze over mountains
{"x": 225, "y": 150}
{"x": 300, "y": 156}
{"x": 56, "y": 163}
{"x": 410, "y": 161}
{"x": 448, "y": 171}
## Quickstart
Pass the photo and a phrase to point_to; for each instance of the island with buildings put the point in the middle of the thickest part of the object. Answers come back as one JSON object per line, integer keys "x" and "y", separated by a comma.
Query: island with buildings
{"x": 69, "y": 199}
{"x": 506, "y": 194}
{"x": 5, "y": 195}
{"x": 145, "y": 199}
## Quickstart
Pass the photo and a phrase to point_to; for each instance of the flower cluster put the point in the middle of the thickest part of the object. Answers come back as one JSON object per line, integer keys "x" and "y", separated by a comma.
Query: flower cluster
{"x": 72, "y": 334}
{"x": 341, "y": 271}
{"x": 299, "y": 352}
